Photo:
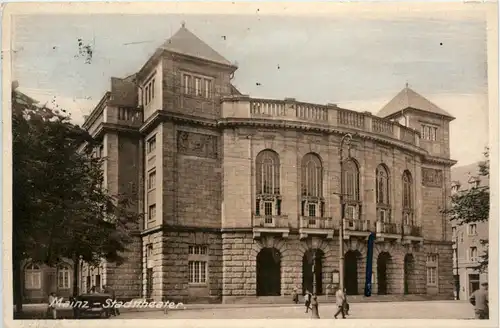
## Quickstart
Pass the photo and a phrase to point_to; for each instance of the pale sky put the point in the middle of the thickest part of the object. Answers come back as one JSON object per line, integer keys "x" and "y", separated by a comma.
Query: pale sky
{"x": 355, "y": 62}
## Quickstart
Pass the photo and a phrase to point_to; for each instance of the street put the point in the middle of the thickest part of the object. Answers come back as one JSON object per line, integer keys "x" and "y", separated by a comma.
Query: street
{"x": 376, "y": 310}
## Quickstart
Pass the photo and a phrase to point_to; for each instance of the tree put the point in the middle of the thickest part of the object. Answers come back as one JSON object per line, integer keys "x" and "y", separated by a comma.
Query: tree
{"x": 60, "y": 209}
{"x": 473, "y": 205}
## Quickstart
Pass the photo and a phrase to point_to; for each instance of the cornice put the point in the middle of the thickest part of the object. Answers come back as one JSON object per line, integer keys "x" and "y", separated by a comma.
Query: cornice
{"x": 163, "y": 115}
{"x": 112, "y": 127}
{"x": 97, "y": 111}
{"x": 439, "y": 160}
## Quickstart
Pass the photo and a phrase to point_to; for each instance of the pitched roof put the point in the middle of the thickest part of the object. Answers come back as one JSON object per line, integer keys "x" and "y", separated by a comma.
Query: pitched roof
{"x": 464, "y": 175}
{"x": 186, "y": 43}
{"x": 406, "y": 99}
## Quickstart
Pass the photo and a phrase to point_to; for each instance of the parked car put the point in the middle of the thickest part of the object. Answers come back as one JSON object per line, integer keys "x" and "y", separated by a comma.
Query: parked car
{"x": 92, "y": 305}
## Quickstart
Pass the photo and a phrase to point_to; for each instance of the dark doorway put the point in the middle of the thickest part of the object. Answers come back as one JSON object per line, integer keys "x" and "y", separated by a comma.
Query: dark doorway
{"x": 409, "y": 274}
{"x": 149, "y": 283}
{"x": 307, "y": 271}
{"x": 383, "y": 261}
{"x": 269, "y": 272}
{"x": 351, "y": 259}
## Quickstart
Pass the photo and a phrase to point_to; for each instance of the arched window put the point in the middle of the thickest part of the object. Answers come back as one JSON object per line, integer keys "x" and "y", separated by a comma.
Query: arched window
{"x": 382, "y": 185}
{"x": 312, "y": 186}
{"x": 351, "y": 181}
{"x": 63, "y": 277}
{"x": 32, "y": 276}
{"x": 268, "y": 183}
{"x": 407, "y": 198}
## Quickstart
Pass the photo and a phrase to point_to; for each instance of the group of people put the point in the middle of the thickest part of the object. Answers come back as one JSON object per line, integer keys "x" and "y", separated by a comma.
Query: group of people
{"x": 311, "y": 302}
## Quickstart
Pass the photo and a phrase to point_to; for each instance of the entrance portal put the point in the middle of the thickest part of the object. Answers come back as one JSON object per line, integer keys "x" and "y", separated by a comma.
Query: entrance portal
{"x": 409, "y": 274}
{"x": 351, "y": 259}
{"x": 383, "y": 262}
{"x": 269, "y": 272}
{"x": 307, "y": 271}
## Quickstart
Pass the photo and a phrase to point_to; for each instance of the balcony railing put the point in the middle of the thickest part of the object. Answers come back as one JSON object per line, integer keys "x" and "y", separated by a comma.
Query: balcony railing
{"x": 271, "y": 221}
{"x": 411, "y": 230}
{"x": 331, "y": 115}
{"x": 356, "y": 225}
{"x": 388, "y": 228}
{"x": 313, "y": 222}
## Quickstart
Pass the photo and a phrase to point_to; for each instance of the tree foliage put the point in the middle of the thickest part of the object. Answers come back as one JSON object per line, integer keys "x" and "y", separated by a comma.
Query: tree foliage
{"x": 473, "y": 205}
{"x": 60, "y": 209}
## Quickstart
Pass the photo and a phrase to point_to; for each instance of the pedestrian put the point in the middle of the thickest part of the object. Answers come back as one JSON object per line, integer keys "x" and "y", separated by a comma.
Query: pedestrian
{"x": 51, "y": 310}
{"x": 346, "y": 304}
{"x": 307, "y": 300}
{"x": 480, "y": 301}
{"x": 108, "y": 290}
{"x": 340, "y": 302}
{"x": 92, "y": 290}
{"x": 315, "y": 307}
{"x": 295, "y": 296}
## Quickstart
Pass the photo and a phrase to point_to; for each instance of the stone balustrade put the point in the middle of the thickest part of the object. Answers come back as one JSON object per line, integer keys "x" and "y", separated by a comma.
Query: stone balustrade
{"x": 271, "y": 221}
{"x": 329, "y": 115}
{"x": 313, "y": 222}
{"x": 388, "y": 228}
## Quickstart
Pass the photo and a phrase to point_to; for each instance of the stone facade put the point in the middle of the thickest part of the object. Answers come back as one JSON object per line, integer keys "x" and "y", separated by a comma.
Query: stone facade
{"x": 192, "y": 158}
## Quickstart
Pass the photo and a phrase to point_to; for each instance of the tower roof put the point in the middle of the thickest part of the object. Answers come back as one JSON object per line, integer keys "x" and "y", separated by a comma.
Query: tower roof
{"x": 186, "y": 43}
{"x": 409, "y": 99}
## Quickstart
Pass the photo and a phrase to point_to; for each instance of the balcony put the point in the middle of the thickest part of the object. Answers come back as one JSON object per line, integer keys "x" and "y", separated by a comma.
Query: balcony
{"x": 356, "y": 228}
{"x": 386, "y": 230}
{"x": 243, "y": 109}
{"x": 270, "y": 224}
{"x": 312, "y": 225}
{"x": 412, "y": 233}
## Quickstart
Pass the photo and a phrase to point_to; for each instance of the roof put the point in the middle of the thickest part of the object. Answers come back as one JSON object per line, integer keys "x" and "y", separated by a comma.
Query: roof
{"x": 464, "y": 175}
{"x": 186, "y": 43}
{"x": 409, "y": 99}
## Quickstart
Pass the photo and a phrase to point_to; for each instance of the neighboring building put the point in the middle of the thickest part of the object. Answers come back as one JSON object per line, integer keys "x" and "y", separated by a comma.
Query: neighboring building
{"x": 467, "y": 238}
{"x": 239, "y": 193}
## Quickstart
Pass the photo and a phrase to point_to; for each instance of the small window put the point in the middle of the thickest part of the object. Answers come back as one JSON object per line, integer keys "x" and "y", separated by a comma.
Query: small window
{"x": 151, "y": 144}
{"x": 454, "y": 232}
{"x": 198, "y": 264}
{"x": 429, "y": 132}
{"x": 63, "y": 277}
{"x": 268, "y": 208}
{"x": 208, "y": 89}
{"x": 473, "y": 254}
{"x": 152, "y": 180}
{"x": 312, "y": 209}
{"x": 187, "y": 82}
{"x": 472, "y": 229}
{"x": 431, "y": 275}
{"x": 152, "y": 212}
{"x": 197, "y": 86}
{"x": 32, "y": 277}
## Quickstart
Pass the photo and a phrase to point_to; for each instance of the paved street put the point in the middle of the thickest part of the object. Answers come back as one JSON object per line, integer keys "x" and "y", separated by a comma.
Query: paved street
{"x": 376, "y": 310}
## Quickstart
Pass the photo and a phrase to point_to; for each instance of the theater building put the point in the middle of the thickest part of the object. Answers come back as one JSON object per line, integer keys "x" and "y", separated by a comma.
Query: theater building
{"x": 241, "y": 194}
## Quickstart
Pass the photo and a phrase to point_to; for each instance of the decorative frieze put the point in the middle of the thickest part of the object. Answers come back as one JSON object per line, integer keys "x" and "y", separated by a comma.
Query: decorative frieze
{"x": 197, "y": 144}
{"x": 432, "y": 177}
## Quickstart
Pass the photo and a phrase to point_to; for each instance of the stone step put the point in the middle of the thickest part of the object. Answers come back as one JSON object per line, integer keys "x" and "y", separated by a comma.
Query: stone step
{"x": 331, "y": 299}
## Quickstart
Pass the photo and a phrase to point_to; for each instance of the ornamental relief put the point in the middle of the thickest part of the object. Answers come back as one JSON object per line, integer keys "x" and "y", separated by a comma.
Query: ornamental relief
{"x": 432, "y": 177}
{"x": 197, "y": 144}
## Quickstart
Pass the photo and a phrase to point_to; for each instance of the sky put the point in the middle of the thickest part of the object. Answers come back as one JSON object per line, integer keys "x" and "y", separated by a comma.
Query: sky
{"x": 355, "y": 62}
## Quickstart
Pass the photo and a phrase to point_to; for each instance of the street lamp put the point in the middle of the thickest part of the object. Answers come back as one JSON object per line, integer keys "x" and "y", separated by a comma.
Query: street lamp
{"x": 346, "y": 138}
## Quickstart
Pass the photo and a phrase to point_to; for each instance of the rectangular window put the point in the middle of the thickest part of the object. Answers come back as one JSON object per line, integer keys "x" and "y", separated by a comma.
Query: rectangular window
{"x": 268, "y": 208}
{"x": 472, "y": 229}
{"x": 431, "y": 275}
{"x": 152, "y": 180}
{"x": 152, "y": 212}
{"x": 473, "y": 254}
{"x": 63, "y": 278}
{"x": 149, "y": 92}
{"x": 187, "y": 82}
{"x": 428, "y": 132}
{"x": 197, "y": 264}
{"x": 454, "y": 232}
{"x": 197, "y": 86}
{"x": 151, "y": 144}
{"x": 473, "y": 283}
{"x": 149, "y": 282}
{"x": 33, "y": 280}
{"x": 312, "y": 209}
{"x": 208, "y": 89}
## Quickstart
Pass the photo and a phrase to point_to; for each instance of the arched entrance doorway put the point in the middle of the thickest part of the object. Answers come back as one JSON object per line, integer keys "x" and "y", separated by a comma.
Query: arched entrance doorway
{"x": 351, "y": 276}
{"x": 307, "y": 271}
{"x": 383, "y": 262}
{"x": 269, "y": 272}
{"x": 409, "y": 274}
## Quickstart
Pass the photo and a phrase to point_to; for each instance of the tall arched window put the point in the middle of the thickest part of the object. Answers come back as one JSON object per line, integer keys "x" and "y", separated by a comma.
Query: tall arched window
{"x": 407, "y": 199}
{"x": 32, "y": 276}
{"x": 382, "y": 194}
{"x": 350, "y": 189}
{"x": 312, "y": 186}
{"x": 63, "y": 277}
{"x": 268, "y": 183}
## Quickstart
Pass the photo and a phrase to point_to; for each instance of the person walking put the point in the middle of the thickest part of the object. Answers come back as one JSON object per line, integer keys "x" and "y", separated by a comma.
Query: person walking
{"x": 307, "y": 300}
{"x": 479, "y": 299}
{"x": 346, "y": 304}
{"x": 295, "y": 296}
{"x": 315, "y": 307}
{"x": 51, "y": 310}
{"x": 340, "y": 302}
{"x": 108, "y": 290}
